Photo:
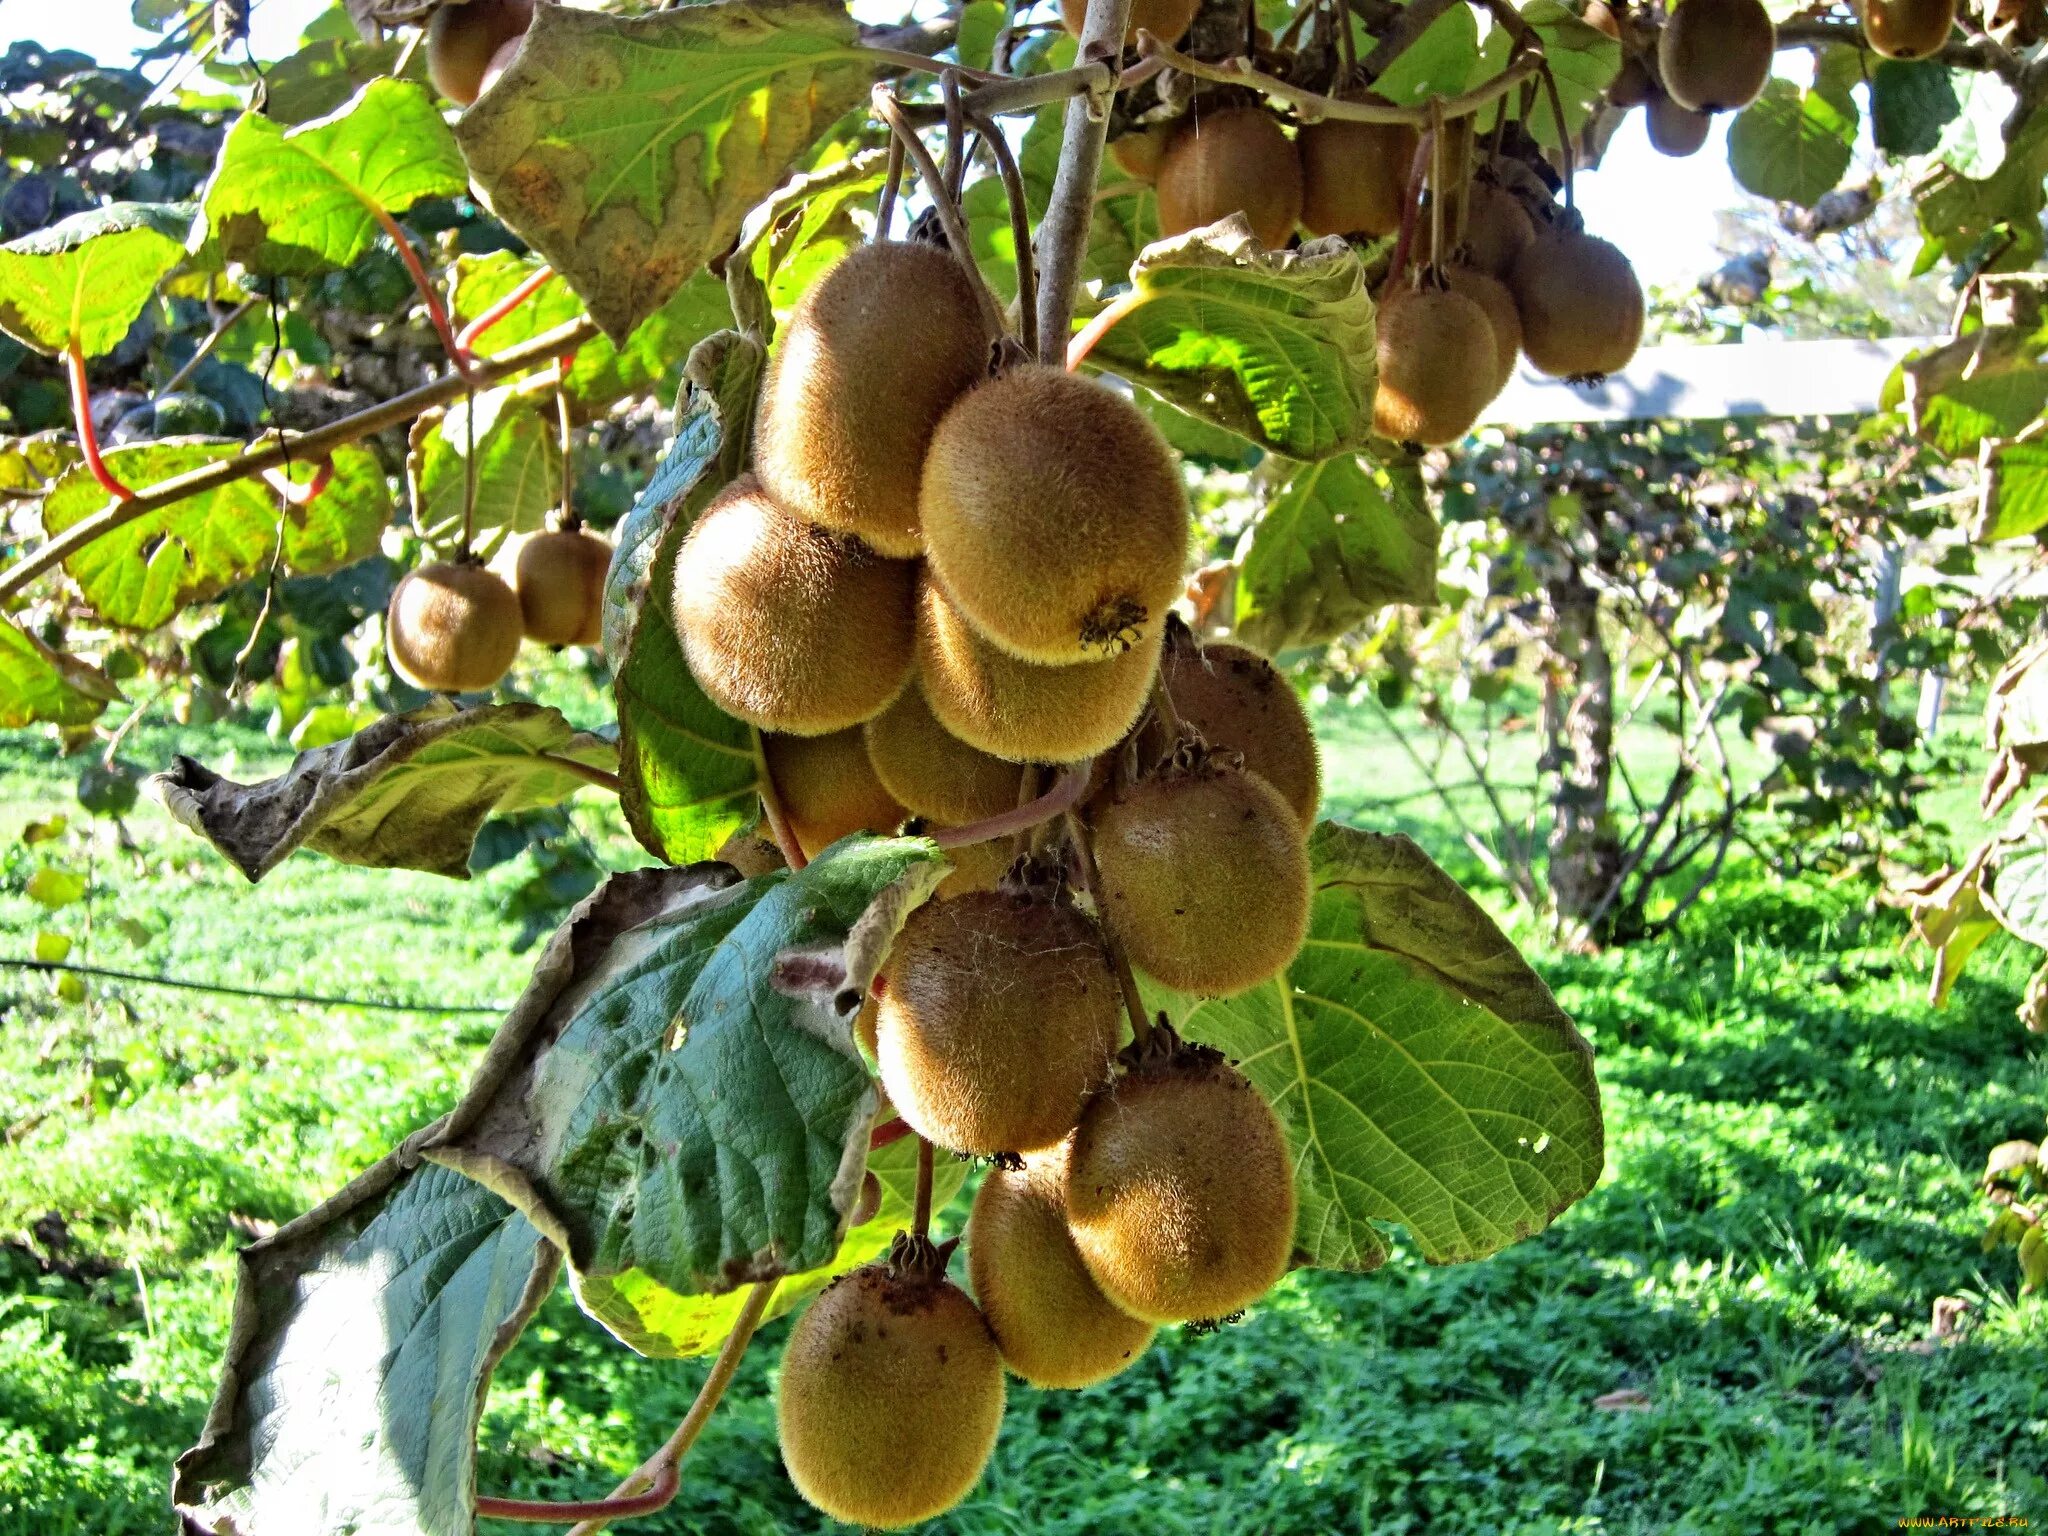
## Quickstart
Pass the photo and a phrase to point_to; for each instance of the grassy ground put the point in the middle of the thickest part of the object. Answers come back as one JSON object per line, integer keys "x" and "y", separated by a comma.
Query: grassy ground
{"x": 1793, "y": 1140}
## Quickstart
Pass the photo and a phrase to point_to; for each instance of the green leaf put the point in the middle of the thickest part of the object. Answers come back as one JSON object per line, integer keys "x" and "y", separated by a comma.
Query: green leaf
{"x": 1959, "y": 213}
{"x": 298, "y": 202}
{"x": 87, "y": 278}
{"x": 1337, "y": 542}
{"x": 2015, "y": 493}
{"x": 1275, "y": 346}
{"x": 38, "y": 684}
{"x": 518, "y": 466}
{"x": 2014, "y": 888}
{"x": 409, "y": 792}
{"x": 51, "y": 888}
{"x": 323, "y": 75}
{"x": 679, "y": 1095}
{"x": 981, "y": 22}
{"x": 51, "y": 948}
{"x": 1910, "y": 103}
{"x": 31, "y": 463}
{"x": 688, "y": 769}
{"x": 627, "y": 150}
{"x": 1988, "y": 384}
{"x": 1422, "y": 1071}
{"x": 602, "y": 373}
{"x": 1583, "y": 61}
{"x": 1790, "y": 145}
{"x": 1441, "y": 62}
{"x": 363, "y": 1341}
{"x": 142, "y": 573}
{"x": 657, "y": 1321}
{"x": 799, "y": 250}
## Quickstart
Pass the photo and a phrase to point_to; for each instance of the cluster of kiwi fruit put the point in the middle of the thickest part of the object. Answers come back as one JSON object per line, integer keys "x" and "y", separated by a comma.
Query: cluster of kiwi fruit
{"x": 944, "y": 585}
{"x": 454, "y": 626}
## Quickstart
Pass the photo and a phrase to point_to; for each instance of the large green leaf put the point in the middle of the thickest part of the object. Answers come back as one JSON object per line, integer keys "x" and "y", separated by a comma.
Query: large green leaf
{"x": 1910, "y": 103}
{"x": 1422, "y": 1071}
{"x": 1792, "y": 145}
{"x": 32, "y": 463}
{"x": 86, "y": 279}
{"x": 678, "y": 1098}
{"x": 408, "y": 792}
{"x": 2015, "y": 887}
{"x": 143, "y": 572}
{"x": 627, "y": 150}
{"x": 41, "y": 684}
{"x": 2015, "y": 493}
{"x": 1959, "y": 213}
{"x": 688, "y": 768}
{"x": 363, "y": 1341}
{"x": 297, "y": 202}
{"x": 1441, "y": 62}
{"x": 1338, "y": 542}
{"x": 1988, "y": 384}
{"x": 602, "y": 373}
{"x": 518, "y": 455}
{"x": 1583, "y": 61}
{"x": 1275, "y": 346}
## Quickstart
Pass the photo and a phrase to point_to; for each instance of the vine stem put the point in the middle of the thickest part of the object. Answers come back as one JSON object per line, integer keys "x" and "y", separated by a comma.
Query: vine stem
{"x": 436, "y": 310}
{"x": 88, "y": 434}
{"x": 283, "y": 447}
{"x": 1063, "y": 232}
{"x": 921, "y": 1214}
{"x": 1418, "y": 172}
{"x": 583, "y": 771}
{"x": 1311, "y": 106}
{"x": 1126, "y": 978}
{"x": 470, "y": 334}
{"x": 660, "y": 1473}
{"x": 890, "y": 111}
{"x": 1062, "y": 797}
{"x": 1086, "y": 338}
{"x": 1020, "y": 229}
{"x": 771, "y": 805}
{"x": 205, "y": 348}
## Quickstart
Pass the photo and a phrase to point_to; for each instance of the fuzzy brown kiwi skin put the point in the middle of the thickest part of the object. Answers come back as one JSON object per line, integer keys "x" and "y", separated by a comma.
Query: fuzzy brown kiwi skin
{"x": 1674, "y": 130}
{"x": 1353, "y": 176}
{"x": 1180, "y": 1190}
{"x": 1017, "y": 710}
{"x": 1497, "y": 229}
{"x": 1238, "y": 701}
{"x": 891, "y": 1398}
{"x": 1204, "y": 876}
{"x": 1055, "y": 516}
{"x": 1167, "y": 20}
{"x": 876, "y": 352}
{"x": 1502, "y": 318}
{"x": 1581, "y": 305}
{"x": 560, "y": 581}
{"x": 1051, "y": 1320}
{"x": 933, "y": 772}
{"x": 1906, "y": 29}
{"x": 1438, "y": 366}
{"x": 997, "y": 1016}
{"x": 462, "y": 39}
{"x": 1634, "y": 85}
{"x": 787, "y": 626}
{"x": 1235, "y": 160}
{"x": 1138, "y": 153}
{"x": 828, "y": 788}
{"x": 453, "y": 628}
{"x": 1715, "y": 55}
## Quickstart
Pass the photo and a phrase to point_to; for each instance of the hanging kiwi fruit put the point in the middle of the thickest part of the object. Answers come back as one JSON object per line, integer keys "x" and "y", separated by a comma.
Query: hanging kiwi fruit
{"x": 1138, "y": 153}
{"x": 1715, "y": 55}
{"x": 1226, "y": 160}
{"x": 1238, "y": 701}
{"x": 453, "y": 627}
{"x": 1674, "y": 130}
{"x": 827, "y": 788}
{"x": 559, "y": 577}
{"x": 1167, "y": 20}
{"x": 931, "y": 771}
{"x": 1439, "y": 364}
{"x": 1580, "y": 302}
{"x": 1906, "y": 29}
{"x": 1502, "y": 318}
{"x": 1354, "y": 176}
{"x": 468, "y": 39}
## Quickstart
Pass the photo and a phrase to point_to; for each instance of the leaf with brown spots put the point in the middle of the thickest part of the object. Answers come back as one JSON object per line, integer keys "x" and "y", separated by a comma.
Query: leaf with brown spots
{"x": 627, "y": 149}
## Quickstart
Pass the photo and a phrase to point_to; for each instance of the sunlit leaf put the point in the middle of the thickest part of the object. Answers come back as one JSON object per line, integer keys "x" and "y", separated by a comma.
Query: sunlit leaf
{"x": 38, "y": 683}
{"x": 1792, "y": 145}
{"x": 87, "y": 278}
{"x": 518, "y": 458}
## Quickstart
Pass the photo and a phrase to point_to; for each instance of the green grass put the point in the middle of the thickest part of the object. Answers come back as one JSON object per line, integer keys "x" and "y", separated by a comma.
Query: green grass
{"x": 1794, "y": 1137}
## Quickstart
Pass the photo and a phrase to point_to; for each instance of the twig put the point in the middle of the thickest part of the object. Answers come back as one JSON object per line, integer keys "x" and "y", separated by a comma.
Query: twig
{"x": 890, "y": 111}
{"x": 1065, "y": 793}
{"x": 88, "y": 434}
{"x": 467, "y": 338}
{"x": 1309, "y": 106}
{"x": 1063, "y": 232}
{"x": 583, "y": 771}
{"x": 283, "y": 447}
{"x": 181, "y": 985}
{"x": 205, "y": 348}
{"x": 1020, "y": 230}
{"x": 771, "y": 805}
{"x": 1119, "y": 962}
{"x": 436, "y": 310}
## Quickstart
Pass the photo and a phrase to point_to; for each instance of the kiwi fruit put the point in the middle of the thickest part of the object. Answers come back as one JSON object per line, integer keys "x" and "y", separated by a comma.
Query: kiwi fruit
{"x": 462, "y": 38}
{"x": 1715, "y": 55}
{"x": 1597, "y": 16}
{"x": 500, "y": 62}
{"x": 1018, "y": 710}
{"x": 1052, "y": 1323}
{"x": 1633, "y": 85}
{"x": 1180, "y": 1190}
{"x": 1906, "y": 29}
{"x": 875, "y": 353}
{"x": 1167, "y": 20}
{"x": 997, "y": 1016}
{"x": 752, "y": 852}
{"x": 827, "y": 788}
{"x": 1354, "y": 176}
{"x": 1438, "y": 366}
{"x": 976, "y": 867}
{"x": 1580, "y": 303}
{"x": 786, "y": 625}
{"x": 560, "y": 581}
{"x": 1235, "y": 160}
{"x": 1237, "y": 700}
{"x": 891, "y": 1396}
{"x": 1674, "y": 130}
{"x": 1502, "y": 318}
{"x": 1055, "y": 516}
{"x": 1138, "y": 153}
{"x": 453, "y": 628}
{"x": 933, "y": 772}
{"x": 1497, "y": 229}
{"x": 1204, "y": 873}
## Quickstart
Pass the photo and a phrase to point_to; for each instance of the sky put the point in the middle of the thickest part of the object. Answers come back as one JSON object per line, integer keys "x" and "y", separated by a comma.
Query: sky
{"x": 1661, "y": 211}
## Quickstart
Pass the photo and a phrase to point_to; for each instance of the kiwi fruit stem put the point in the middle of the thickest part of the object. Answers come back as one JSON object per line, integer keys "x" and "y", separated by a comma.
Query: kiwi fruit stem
{"x": 921, "y": 1212}
{"x": 1119, "y": 962}
{"x": 772, "y": 813}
